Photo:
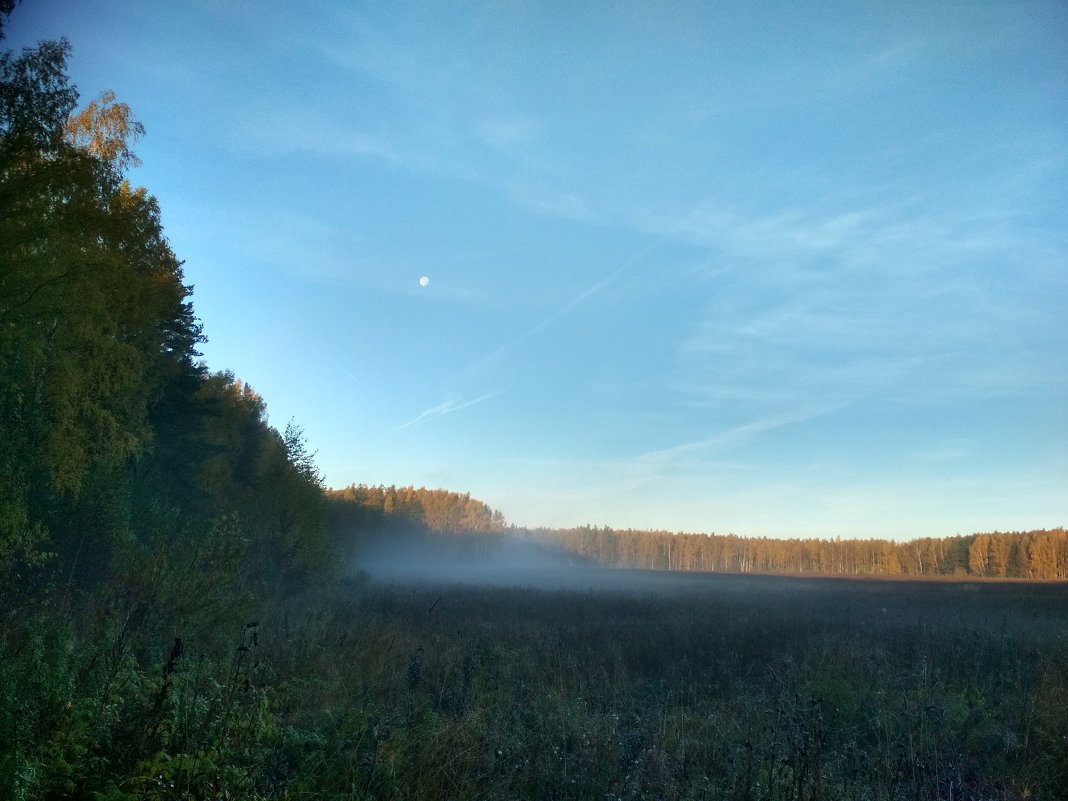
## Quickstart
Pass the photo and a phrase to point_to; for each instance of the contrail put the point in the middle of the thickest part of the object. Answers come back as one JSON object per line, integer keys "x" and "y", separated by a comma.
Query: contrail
{"x": 738, "y": 434}
{"x": 581, "y": 298}
{"x": 447, "y": 407}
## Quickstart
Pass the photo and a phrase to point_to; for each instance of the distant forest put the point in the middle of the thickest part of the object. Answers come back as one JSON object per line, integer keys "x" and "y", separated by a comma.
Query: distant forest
{"x": 1029, "y": 555}
{"x": 365, "y": 511}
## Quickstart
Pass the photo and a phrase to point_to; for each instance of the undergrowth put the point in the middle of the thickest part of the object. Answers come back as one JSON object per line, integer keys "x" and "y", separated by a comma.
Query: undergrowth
{"x": 792, "y": 691}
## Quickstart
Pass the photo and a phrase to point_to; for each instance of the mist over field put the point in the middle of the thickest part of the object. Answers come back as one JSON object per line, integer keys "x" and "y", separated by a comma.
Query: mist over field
{"x": 637, "y": 684}
{"x": 509, "y": 561}
{"x": 516, "y": 560}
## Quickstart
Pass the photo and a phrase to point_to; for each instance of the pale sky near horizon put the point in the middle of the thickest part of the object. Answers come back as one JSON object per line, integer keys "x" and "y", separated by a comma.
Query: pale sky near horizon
{"x": 763, "y": 268}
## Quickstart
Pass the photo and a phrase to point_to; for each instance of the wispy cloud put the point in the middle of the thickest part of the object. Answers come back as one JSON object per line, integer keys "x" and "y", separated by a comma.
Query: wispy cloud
{"x": 446, "y": 407}
{"x": 314, "y": 131}
{"x": 514, "y": 133}
{"x": 913, "y": 297}
{"x": 623, "y": 489}
{"x": 495, "y": 357}
{"x": 733, "y": 437}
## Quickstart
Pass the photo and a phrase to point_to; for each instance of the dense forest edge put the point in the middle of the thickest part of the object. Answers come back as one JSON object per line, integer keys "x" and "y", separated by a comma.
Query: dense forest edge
{"x": 177, "y": 584}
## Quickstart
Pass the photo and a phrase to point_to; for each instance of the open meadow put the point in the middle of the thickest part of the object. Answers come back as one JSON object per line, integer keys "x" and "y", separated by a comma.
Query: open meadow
{"x": 683, "y": 686}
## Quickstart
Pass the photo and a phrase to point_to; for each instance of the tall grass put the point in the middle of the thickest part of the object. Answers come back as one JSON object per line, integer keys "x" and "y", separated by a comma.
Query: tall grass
{"x": 717, "y": 688}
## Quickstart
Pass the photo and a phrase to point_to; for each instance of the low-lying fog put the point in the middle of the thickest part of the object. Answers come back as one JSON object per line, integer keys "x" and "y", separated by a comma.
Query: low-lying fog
{"x": 506, "y": 561}
{"x": 503, "y": 561}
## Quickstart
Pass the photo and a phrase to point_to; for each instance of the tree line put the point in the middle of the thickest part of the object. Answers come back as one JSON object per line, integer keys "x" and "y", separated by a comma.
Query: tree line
{"x": 436, "y": 510}
{"x": 117, "y": 444}
{"x": 1039, "y": 554}
{"x": 145, "y": 501}
{"x": 360, "y": 512}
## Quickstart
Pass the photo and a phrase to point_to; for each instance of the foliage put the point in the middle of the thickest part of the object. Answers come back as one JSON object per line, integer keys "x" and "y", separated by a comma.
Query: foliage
{"x": 432, "y": 510}
{"x": 93, "y": 311}
{"x": 144, "y": 502}
{"x": 106, "y": 418}
{"x": 367, "y": 515}
{"x": 714, "y": 687}
{"x": 1031, "y": 554}
{"x": 683, "y": 687}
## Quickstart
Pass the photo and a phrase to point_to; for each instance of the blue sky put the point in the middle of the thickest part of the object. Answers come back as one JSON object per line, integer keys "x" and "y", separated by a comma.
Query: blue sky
{"x": 749, "y": 267}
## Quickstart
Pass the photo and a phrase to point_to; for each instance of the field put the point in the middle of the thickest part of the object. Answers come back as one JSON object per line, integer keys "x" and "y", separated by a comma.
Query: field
{"x": 627, "y": 685}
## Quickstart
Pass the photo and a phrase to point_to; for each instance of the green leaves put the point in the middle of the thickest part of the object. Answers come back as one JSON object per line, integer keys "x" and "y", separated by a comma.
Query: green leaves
{"x": 94, "y": 315}
{"x": 143, "y": 500}
{"x": 35, "y": 96}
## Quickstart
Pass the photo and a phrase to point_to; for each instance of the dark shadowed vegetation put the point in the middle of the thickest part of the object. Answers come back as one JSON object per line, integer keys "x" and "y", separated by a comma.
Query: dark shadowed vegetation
{"x": 186, "y": 613}
{"x": 699, "y": 687}
{"x": 147, "y": 507}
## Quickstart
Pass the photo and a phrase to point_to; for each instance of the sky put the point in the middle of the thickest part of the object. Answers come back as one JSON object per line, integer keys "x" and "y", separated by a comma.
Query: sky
{"x": 776, "y": 269}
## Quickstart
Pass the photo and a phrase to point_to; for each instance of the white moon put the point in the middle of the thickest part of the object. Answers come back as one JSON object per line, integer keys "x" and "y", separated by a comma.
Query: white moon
{"x": 424, "y": 281}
